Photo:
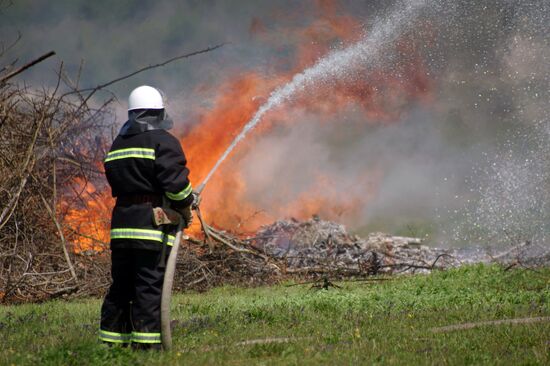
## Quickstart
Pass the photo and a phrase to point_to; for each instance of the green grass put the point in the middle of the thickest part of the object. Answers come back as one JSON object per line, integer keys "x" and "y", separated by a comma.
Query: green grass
{"x": 364, "y": 323}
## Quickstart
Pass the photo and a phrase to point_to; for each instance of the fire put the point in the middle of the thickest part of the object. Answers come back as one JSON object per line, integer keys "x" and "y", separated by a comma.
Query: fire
{"x": 378, "y": 95}
{"x": 87, "y": 221}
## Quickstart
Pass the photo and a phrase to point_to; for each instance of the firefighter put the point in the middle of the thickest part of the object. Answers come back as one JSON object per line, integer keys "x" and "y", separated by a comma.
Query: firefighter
{"x": 146, "y": 168}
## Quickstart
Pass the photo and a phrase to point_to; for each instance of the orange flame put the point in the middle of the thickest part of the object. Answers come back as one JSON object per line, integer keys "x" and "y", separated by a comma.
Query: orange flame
{"x": 87, "y": 222}
{"x": 380, "y": 96}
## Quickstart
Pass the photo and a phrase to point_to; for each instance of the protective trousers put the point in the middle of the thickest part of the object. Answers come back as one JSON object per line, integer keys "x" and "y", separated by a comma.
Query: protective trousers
{"x": 131, "y": 309}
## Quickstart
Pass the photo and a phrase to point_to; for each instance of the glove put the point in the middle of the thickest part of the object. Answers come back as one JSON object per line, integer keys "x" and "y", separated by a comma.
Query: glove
{"x": 186, "y": 215}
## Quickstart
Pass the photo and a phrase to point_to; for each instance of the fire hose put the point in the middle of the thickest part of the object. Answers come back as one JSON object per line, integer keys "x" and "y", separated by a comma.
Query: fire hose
{"x": 166, "y": 332}
{"x": 161, "y": 217}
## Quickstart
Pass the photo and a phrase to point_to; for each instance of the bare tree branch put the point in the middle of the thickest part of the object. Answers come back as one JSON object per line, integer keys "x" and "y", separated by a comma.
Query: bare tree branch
{"x": 26, "y": 66}
{"x": 102, "y": 86}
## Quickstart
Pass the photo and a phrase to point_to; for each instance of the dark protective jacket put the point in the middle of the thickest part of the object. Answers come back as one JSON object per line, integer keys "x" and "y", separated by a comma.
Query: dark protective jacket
{"x": 148, "y": 163}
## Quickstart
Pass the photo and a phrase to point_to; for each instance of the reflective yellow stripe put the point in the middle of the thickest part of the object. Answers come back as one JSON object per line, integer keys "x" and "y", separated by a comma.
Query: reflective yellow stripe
{"x": 146, "y": 337}
{"x": 114, "y": 337}
{"x": 134, "y": 152}
{"x": 183, "y": 194}
{"x": 143, "y": 234}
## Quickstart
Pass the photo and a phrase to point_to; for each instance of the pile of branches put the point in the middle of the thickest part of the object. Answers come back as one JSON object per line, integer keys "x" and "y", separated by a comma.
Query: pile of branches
{"x": 52, "y": 144}
{"x": 319, "y": 251}
{"x": 318, "y": 247}
{"x": 305, "y": 250}
{"x": 221, "y": 260}
{"x": 48, "y": 139}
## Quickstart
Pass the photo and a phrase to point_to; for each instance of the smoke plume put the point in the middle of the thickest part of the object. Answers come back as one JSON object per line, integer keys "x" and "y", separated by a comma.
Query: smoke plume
{"x": 447, "y": 137}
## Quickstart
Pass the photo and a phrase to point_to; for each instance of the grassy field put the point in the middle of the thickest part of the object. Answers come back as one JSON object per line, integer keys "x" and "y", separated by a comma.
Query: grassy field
{"x": 386, "y": 322}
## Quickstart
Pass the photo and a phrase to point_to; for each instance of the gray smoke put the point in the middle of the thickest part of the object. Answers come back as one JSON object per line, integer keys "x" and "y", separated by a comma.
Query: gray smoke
{"x": 471, "y": 166}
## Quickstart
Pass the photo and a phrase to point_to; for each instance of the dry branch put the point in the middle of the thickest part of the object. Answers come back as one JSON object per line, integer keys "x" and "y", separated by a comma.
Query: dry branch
{"x": 62, "y": 237}
{"x": 149, "y": 67}
{"x": 18, "y": 71}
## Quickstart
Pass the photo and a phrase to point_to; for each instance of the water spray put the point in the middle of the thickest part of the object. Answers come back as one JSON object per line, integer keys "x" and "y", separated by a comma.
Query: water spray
{"x": 337, "y": 64}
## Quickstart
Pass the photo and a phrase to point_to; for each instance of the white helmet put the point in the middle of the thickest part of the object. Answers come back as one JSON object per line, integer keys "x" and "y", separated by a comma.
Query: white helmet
{"x": 145, "y": 97}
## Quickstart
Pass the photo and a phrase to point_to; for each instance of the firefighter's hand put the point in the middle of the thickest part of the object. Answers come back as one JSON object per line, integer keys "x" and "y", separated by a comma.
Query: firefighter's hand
{"x": 186, "y": 215}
